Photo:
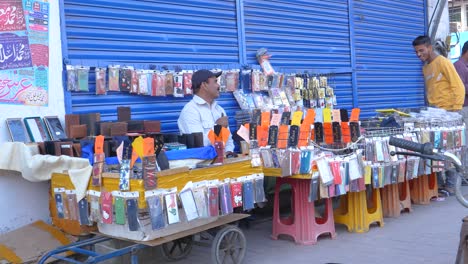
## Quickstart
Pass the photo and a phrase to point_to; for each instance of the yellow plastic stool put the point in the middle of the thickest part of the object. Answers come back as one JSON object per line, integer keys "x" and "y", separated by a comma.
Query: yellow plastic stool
{"x": 355, "y": 213}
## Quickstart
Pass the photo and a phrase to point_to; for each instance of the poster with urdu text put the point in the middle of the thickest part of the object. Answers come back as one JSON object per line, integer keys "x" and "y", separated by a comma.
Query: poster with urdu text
{"x": 24, "y": 52}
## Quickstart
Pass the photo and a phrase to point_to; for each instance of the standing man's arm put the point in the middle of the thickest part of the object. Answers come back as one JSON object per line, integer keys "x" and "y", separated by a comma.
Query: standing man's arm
{"x": 456, "y": 84}
{"x": 462, "y": 71}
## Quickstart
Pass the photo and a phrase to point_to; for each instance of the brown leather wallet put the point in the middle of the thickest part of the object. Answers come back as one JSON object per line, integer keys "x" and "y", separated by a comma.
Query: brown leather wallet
{"x": 63, "y": 148}
{"x": 78, "y": 131}
{"x": 124, "y": 113}
{"x": 41, "y": 146}
{"x": 152, "y": 126}
{"x": 90, "y": 120}
{"x": 118, "y": 129}
{"x": 135, "y": 126}
{"x": 105, "y": 128}
{"x": 71, "y": 120}
{"x": 77, "y": 149}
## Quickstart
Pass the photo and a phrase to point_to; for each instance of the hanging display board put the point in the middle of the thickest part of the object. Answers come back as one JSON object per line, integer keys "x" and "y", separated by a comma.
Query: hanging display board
{"x": 24, "y": 52}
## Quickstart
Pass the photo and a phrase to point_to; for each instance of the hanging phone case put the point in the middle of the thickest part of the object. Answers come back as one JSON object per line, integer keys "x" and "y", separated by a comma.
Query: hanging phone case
{"x": 106, "y": 208}
{"x": 157, "y": 216}
{"x": 132, "y": 214}
{"x": 119, "y": 209}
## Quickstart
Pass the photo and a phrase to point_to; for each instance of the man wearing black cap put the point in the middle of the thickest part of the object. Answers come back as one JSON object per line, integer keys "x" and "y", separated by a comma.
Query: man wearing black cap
{"x": 202, "y": 113}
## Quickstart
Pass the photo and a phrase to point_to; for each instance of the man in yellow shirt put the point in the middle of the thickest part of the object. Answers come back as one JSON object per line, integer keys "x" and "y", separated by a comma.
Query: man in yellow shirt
{"x": 444, "y": 89}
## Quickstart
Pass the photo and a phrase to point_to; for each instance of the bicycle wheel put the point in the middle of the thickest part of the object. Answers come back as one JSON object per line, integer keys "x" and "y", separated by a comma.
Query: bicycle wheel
{"x": 461, "y": 190}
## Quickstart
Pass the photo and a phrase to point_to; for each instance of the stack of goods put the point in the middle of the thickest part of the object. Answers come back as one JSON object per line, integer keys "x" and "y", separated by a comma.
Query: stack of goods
{"x": 146, "y": 212}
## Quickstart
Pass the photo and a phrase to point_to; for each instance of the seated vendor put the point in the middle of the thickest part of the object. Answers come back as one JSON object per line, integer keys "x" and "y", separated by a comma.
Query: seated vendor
{"x": 202, "y": 113}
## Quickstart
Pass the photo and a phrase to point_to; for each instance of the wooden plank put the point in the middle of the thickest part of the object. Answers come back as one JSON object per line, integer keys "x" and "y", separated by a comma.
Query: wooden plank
{"x": 159, "y": 241}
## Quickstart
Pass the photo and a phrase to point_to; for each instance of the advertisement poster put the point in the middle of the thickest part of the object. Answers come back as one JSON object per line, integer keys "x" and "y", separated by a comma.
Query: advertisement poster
{"x": 24, "y": 52}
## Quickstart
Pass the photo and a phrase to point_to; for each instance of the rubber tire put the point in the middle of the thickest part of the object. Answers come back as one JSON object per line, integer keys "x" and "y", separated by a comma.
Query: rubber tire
{"x": 458, "y": 192}
{"x": 219, "y": 238}
{"x": 186, "y": 251}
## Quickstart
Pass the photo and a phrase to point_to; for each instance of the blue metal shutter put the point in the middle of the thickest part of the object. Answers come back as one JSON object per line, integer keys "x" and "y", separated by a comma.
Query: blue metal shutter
{"x": 388, "y": 72}
{"x": 143, "y": 33}
{"x": 303, "y": 36}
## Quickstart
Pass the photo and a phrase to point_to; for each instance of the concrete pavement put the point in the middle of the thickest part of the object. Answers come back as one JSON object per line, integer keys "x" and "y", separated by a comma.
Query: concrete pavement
{"x": 430, "y": 234}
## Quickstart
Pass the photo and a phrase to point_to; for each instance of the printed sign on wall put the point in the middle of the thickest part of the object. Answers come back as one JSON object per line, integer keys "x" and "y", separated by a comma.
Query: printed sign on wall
{"x": 24, "y": 52}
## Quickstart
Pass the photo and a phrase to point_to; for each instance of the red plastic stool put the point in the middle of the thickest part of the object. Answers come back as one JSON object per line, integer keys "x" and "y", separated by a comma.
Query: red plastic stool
{"x": 302, "y": 225}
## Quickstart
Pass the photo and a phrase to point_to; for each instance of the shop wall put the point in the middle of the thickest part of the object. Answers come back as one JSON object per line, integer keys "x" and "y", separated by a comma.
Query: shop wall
{"x": 388, "y": 73}
{"x": 364, "y": 45}
{"x": 184, "y": 34}
{"x": 310, "y": 36}
{"x": 23, "y": 202}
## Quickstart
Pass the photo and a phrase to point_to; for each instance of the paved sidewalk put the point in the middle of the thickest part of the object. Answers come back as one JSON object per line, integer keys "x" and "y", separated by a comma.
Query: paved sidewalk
{"x": 427, "y": 235}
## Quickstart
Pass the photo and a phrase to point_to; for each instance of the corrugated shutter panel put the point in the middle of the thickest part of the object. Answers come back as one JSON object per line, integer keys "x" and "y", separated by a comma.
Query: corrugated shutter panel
{"x": 388, "y": 73}
{"x": 302, "y": 35}
{"x": 143, "y": 33}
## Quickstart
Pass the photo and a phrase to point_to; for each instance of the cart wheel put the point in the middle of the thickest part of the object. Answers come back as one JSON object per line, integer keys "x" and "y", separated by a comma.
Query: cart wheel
{"x": 229, "y": 246}
{"x": 177, "y": 249}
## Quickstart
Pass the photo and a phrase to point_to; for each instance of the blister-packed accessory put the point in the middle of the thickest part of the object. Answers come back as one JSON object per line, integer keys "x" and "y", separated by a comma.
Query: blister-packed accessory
{"x": 142, "y": 76}
{"x": 119, "y": 208}
{"x": 83, "y": 209}
{"x": 232, "y": 81}
{"x": 124, "y": 180}
{"x": 187, "y": 76}
{"x": 169, "y": 83}
{"x": 248, "y": 193}
{"x": 59, "y": 202}
{"x": 134, "y": 82}
{"x": 188, "y": 203}
{"x": 314, "y": 187}
{"x": 225, "y": 200}
{"x": 72, "y": 204}
{"x": 107, "y": 208}
{"x": 256, "y": 81}
{"x": 246, "y": 80}
{"x": 131, "y": 203}
{"x": 200, "y": 193}
{"x": 83, "y": 78}
{"x": 114, "y": 78}
{"x": 259, "y": 188}
{"x": 125, "y": 78}
{"x": 72, "y": 79}
{"x": 306, "y": 161}
{"x": 213, "y": 198}
{"x": 161, "y": 84}
{"x": 236, "y": 193}
{"x": 94, "y": 206}
{"x": 172, "y": 210}
{"x": 178, "y": 85}
{"x": 156, "y": 207}
{"x": 222, "y": 81}
{"x": 324, "y": 170}
{"x": 263, "y": 58}
{"x": 98, "y": 167}
{"x": 101, "y": 84}
{"x": 150, "y": 168}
